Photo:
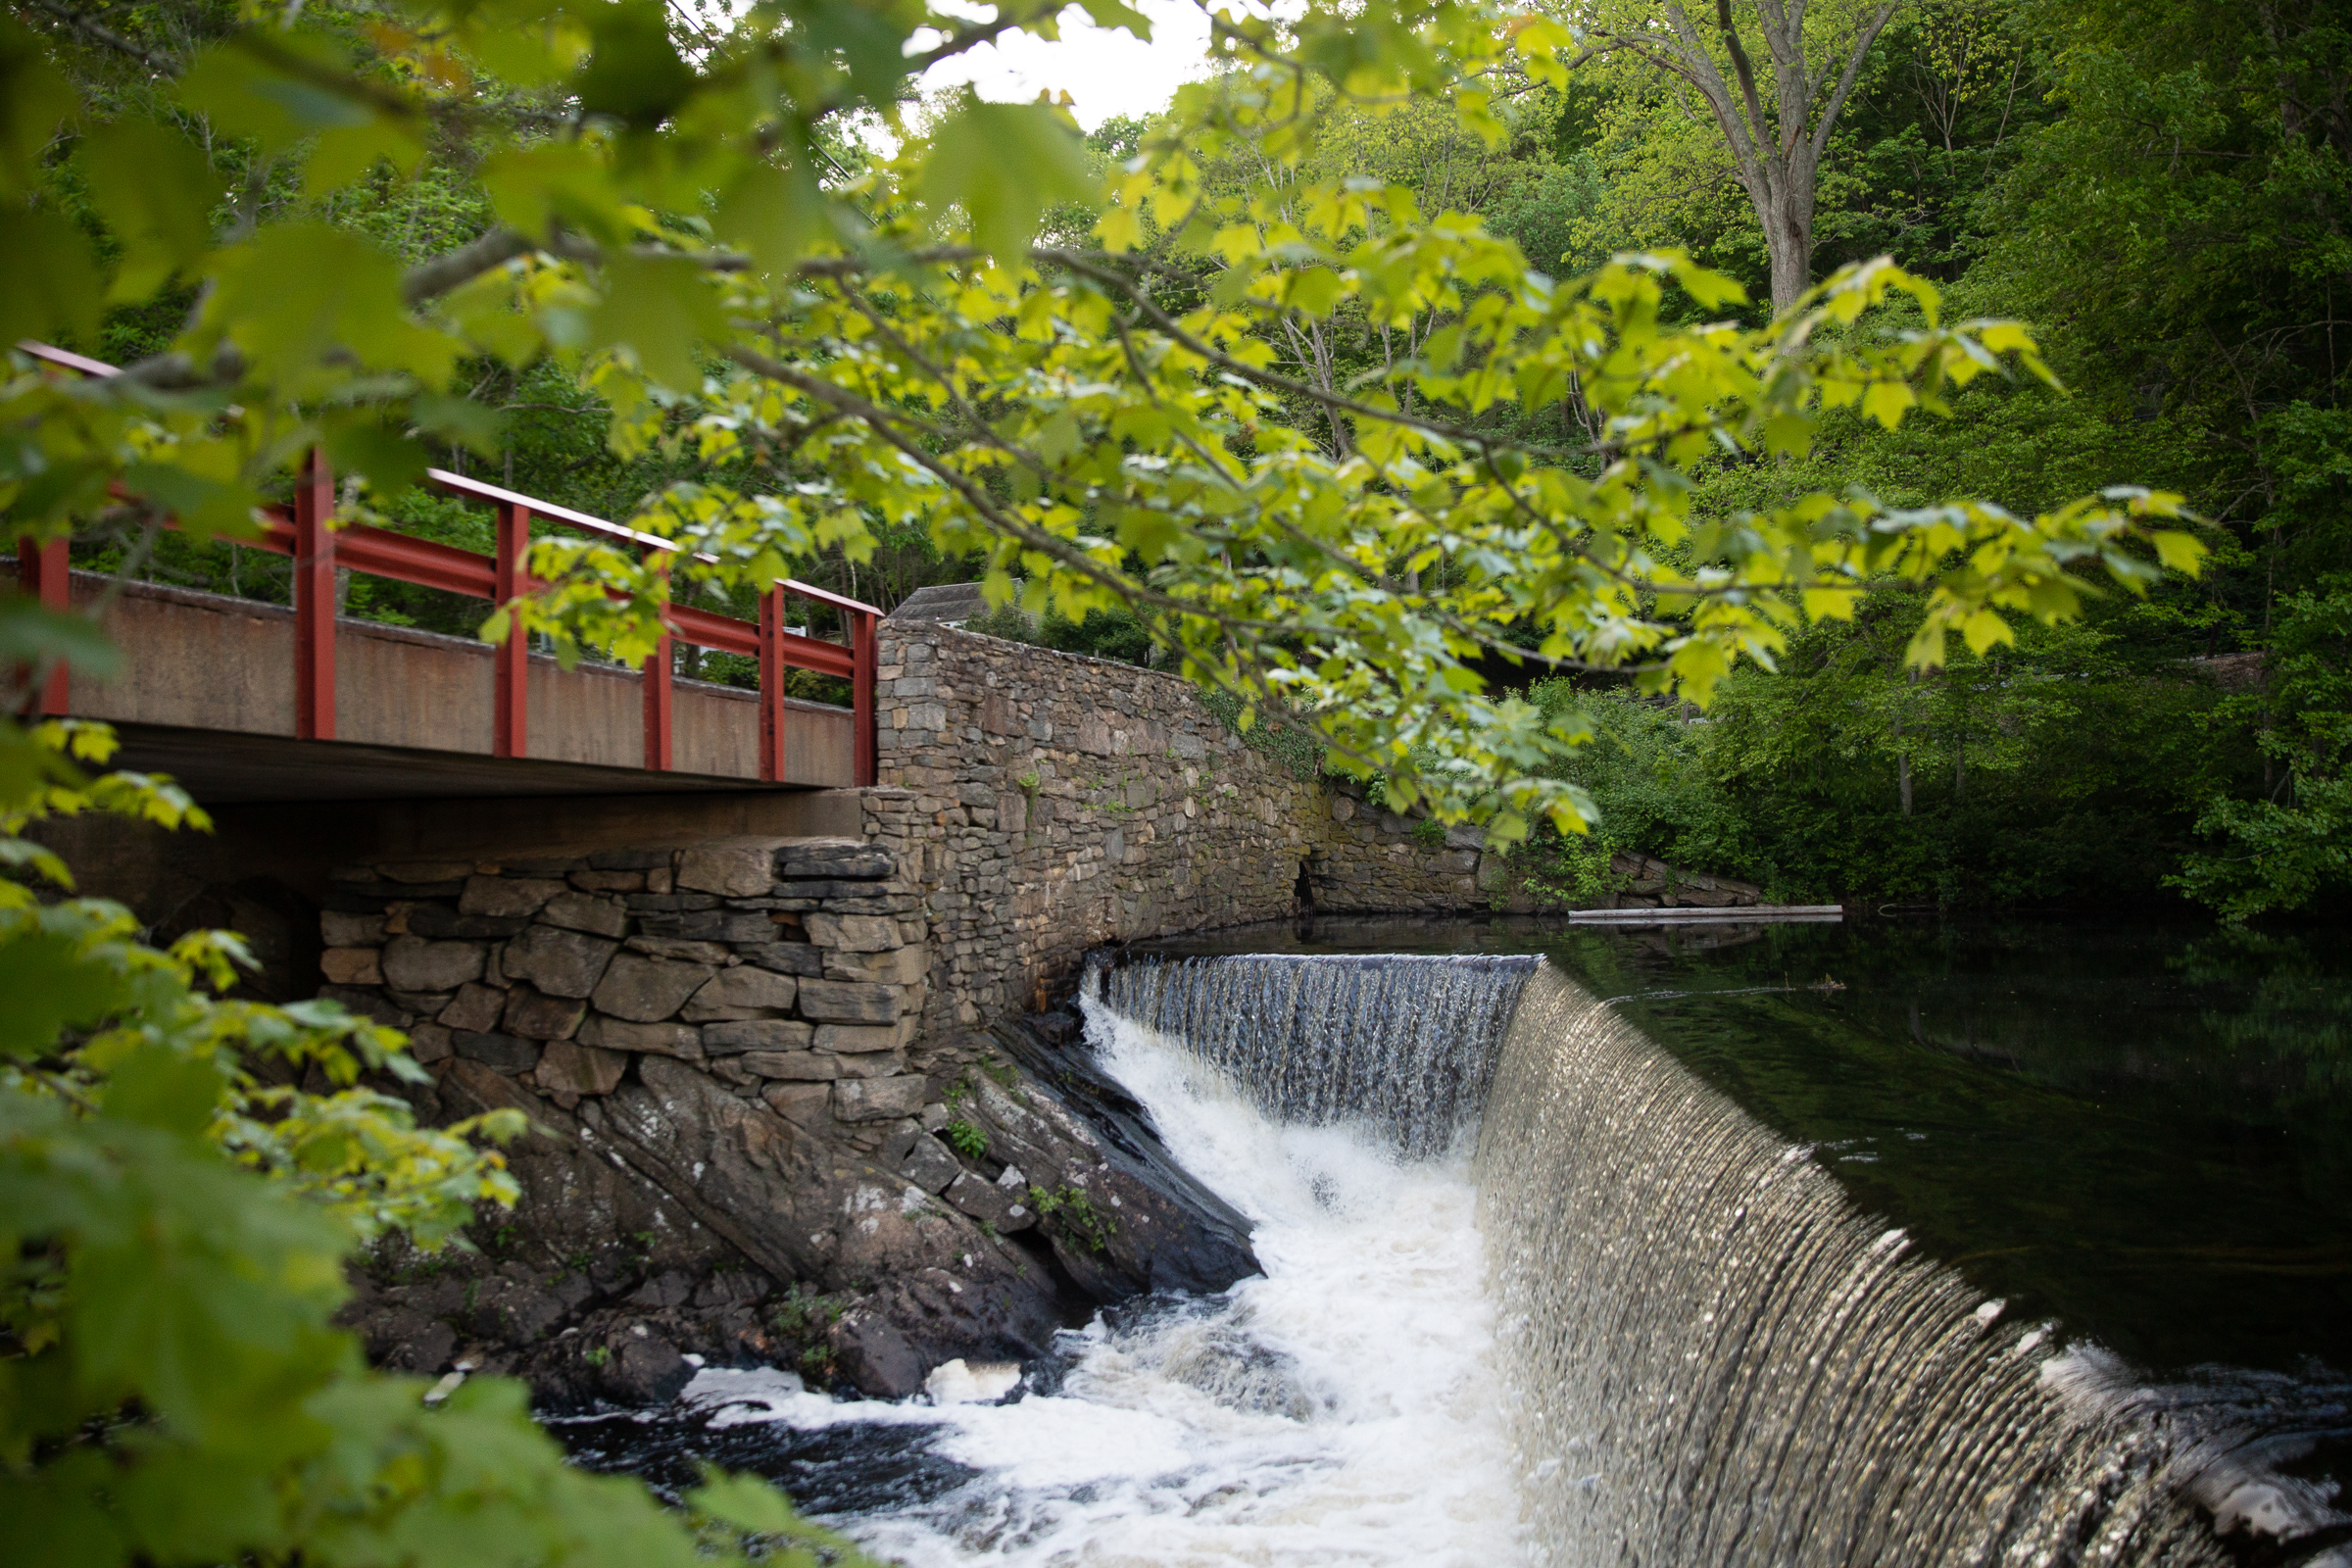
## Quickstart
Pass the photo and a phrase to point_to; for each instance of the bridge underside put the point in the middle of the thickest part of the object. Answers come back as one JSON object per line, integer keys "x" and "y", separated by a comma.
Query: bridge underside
{"x": 228, "y": 768}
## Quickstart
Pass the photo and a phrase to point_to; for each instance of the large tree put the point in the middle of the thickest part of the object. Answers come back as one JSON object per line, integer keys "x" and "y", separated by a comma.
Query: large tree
{"x": 1776, "y": 132}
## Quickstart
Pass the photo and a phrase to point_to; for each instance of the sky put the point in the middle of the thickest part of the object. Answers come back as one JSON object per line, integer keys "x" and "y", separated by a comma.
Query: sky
{"x": 1105, "y": 72}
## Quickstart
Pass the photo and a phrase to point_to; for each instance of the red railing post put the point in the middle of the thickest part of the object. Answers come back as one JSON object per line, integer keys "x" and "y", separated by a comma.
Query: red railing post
{"x": 772, "y": 686}
{"x": 510, "y": 727}
{"x": 315, "y": 600}
{"x": 44, "y": 572}
{"x": 865, "y": 651}
{"x": 657, "y": 693}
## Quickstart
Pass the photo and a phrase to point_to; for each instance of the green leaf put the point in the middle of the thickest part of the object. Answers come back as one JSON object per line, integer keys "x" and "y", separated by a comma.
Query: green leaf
{"x": 659, "y": 309}
{"x": 49, "y": 286}
{"x": 156, "y": 192}
{"x": 35, "y": 102}
{"x": 635, "y": 74}
{"x": 158, "y": 1088}
{"x": 774, "y": 213}
{"x": 1004, "y": 165}
{"x": 50, "y": 987}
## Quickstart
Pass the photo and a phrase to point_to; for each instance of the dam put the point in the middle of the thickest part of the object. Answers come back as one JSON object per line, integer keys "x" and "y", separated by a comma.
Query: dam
{"x": 1545, "y": 1284}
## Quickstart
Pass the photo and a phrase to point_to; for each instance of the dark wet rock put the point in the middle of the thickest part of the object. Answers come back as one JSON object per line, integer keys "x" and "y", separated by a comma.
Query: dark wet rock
{"x": 1118, "y": 1208}
{"x": 670, "y": 1288}
{"x": 874, "y": 1354}
{"x": 646, "y": 1369}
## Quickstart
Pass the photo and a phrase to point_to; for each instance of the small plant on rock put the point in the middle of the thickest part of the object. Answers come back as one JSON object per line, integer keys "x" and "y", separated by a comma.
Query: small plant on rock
{"x": 1076, "y": 1213}
{"x": 598, "y": 1355}
{"x": 965, "y": 1139}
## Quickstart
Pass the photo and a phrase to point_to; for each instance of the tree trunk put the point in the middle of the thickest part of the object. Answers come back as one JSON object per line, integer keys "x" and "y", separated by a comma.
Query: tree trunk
{"x": 1777, "y": 152}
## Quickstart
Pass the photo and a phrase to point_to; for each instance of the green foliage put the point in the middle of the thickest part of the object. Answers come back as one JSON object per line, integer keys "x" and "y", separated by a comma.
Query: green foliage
{"x": 175, "y": 1223}
{"x": 965, "y": 1139}
{"x": 2292, "y": 847}
{"x": 1069, "y": 1210}
{"x": 814, "y": 368}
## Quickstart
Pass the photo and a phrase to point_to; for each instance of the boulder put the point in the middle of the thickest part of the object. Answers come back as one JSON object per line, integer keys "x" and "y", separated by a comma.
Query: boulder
{"x": 413, "y": 963}
{"x": 875, "y": 1355}
{"x": 644, "y": 988}
{"x": 899, "y": 966}
{"x": 562, "y": 963}
{"x": 351, "y": 930}
{"x": 646, "y": 1369}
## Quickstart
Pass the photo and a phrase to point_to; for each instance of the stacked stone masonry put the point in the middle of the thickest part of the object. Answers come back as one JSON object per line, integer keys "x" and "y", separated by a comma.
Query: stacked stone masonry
{"x": 793, "y": 972}
{"x": 1046, "y": 804}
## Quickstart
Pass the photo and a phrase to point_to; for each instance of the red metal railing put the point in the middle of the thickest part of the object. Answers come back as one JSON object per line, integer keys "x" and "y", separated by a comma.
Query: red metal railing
{"x": 306, "y": 533}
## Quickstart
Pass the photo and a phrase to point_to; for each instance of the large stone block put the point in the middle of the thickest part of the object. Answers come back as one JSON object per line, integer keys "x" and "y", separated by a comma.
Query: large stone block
{"x": 535, "y": 1015}
{"x": 853, "y": 859}
{"x": 899, "y": 966}
{"x": 860, "y": 1099}
{"x": 568, "y": 1067}
{"x": 644, "y": 988}
{"x": 711, "y": 925}
{"x": 928, "y": 1163}
{"x": 853, "y": 933}
{"x": 796, "y": 1066}
{"x": 852, "y": 1040}
{"x": 730, "y": 868}
{"x": 508, "y": 896}
{"x": 413, "y": 963}
{"x": 586, "y": 912}
{"x": 352, "y": 967}
{"x": 654, "y": 1039}
{"x": 785, "y": 957}
{"x": 743, "y": 992}
{"x": 340, "y": 930}
{"x": 562, "y": 963}
{"x": 757, "y": 1034}
{"x": 851, "y": 1001}
{"x": 475, "y": 1006}
{"x": 500, "y": 1053}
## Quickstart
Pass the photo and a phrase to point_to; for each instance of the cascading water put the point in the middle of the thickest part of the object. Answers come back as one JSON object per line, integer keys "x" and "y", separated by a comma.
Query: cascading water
{"x": 1719, "y": 1361}
{"x": 1405, "y": 1044}
{"x": 1635, "y": 1328}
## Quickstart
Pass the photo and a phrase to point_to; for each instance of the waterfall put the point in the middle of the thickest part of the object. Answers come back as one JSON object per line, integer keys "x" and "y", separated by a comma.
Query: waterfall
{"x": 1720, "y": 1360}
{"x": 1405, "y": 1044}
{"x": 1714, "y": 1356}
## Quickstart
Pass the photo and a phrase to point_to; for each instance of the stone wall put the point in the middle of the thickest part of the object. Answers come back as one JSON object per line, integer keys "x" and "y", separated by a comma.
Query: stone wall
{"x": 710, "y": 1046}
{"x": 1046, "y": 804}
{"x": 792, "y": 971}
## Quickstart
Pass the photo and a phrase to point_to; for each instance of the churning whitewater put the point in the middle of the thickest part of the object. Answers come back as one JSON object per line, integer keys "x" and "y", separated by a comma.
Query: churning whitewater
{"x": 1343, "y": 1408}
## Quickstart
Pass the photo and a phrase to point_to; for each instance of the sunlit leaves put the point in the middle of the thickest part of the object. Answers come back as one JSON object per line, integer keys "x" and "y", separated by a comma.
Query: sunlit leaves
{"x": 1002, "y": 166}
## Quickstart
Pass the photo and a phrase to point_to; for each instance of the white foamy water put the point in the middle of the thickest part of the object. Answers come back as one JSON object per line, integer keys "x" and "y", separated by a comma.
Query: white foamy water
{"x": 1345, "y": 1408}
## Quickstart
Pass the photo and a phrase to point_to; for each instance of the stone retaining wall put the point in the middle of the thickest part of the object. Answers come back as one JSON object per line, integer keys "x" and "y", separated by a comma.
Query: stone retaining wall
{"x": 1046, "y": 804}
{"x": 793, "y": 970}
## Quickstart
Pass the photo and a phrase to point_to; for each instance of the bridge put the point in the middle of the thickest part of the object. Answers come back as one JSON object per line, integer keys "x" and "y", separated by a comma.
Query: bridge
{"x": 249, "y": 702}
